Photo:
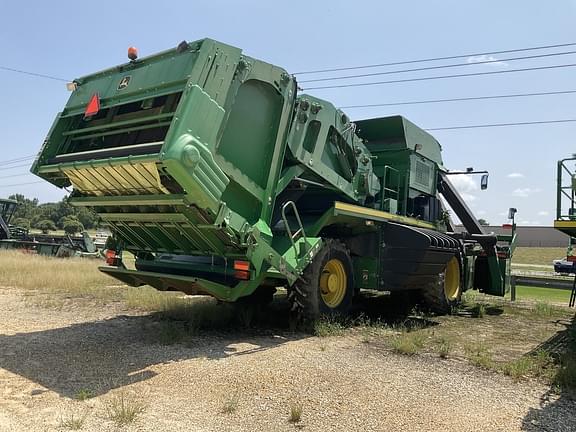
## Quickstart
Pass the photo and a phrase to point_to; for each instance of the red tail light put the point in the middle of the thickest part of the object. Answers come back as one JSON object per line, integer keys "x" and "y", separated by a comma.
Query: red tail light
{"x": 242, "y": 265}
{"x": 111, "y": 257}
{"x": 242, "y": 270}
{"x": 93, "y": 106}
{"x": 244, "y": 275}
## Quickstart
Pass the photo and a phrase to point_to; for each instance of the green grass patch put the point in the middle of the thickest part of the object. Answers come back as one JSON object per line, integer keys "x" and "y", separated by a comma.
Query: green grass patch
{"x": 479, "y": 310}
{"x": 329, "y": 326}
{"x": 543, "y": 294}
{"x": 409, "y": 343}
{"x": 565, "y": 377}
{"x": 231, "y": 403}
{"x": 539, "y": 364}
{"x": 84, "y": 394}
{"x": 479, "y": 355}
{"x": 444, "y": 347}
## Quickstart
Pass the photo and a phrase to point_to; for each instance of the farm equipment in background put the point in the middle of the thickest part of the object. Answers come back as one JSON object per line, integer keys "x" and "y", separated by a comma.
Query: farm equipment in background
{"x": 7, "y": 209}
{"x": 14, "y": 237}
{"x": 221, "y": 179}
{"x": 566, "y": 217}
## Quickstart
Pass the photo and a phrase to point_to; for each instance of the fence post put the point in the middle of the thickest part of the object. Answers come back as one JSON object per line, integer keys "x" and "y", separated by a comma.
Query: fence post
{"x": 512, "y": 288}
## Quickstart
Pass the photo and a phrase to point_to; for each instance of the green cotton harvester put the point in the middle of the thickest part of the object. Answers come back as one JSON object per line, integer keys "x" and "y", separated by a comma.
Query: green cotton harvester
{"x": 220, "y": 178}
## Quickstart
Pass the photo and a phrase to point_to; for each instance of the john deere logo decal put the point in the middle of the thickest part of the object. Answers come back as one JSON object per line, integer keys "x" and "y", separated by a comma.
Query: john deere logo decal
{"x": 124, "y": 82}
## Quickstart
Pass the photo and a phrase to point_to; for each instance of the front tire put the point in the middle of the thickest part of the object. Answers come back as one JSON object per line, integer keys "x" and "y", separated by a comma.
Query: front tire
{"x": 444, "y": 293}
{"x": 327, "y": 286}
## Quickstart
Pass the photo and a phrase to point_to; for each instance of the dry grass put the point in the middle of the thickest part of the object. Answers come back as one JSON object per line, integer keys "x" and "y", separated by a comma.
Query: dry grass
{"x": 329, "y": 326}
{"x": 231, "y": 403}
{"x": 123, "y": 409}
{"x": 295, "y": 412}
{"x": 74, "y": 277}
{"x": 537, "y": 256}
{"x": 545, "y": 310}
{"x": 409, "y": 343}
{"x": 151, "y": 300}
{"x": 72, "y": 421}
{"x": 444, "y": 347}
{"x": 479, "y": 354}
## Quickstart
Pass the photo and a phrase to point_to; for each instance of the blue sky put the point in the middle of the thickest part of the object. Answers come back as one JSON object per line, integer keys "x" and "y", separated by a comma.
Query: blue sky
{"x": 70, "y": 39}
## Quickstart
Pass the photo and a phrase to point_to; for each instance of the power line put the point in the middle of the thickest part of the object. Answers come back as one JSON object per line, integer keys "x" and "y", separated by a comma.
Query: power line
{"x": 441, "y": 77}
{"x": 34, "y": 74}
{"x": 453, "y": 57}
{"x": 473, "y": 98}
{"x": 492, "y": 125}
{"x": 13, "y": 161}
{"x": 15, "y": 175}
{"x": 22, "y": 184}
{"x": 440, "y": 67}
{"x": 14, "y": 166}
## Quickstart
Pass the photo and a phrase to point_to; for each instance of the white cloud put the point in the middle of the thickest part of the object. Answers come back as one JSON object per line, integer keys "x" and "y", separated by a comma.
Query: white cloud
{"x": 488, "y": 60}
{"x": 481, "y": 212}
{"x": 468, "y": 197}
{"x": 466, "y": 186}
{"x": 515, "y": 175}
{"x": 525, "y": 192}
{"x": 543, "y": 213}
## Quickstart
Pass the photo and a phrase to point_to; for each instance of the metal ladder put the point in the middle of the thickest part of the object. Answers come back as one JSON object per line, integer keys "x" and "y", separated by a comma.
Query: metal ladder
{"x": 300, "y": 233}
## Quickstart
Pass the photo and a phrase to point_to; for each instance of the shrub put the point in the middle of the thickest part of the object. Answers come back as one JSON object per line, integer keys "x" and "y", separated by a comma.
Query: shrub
{"x": 46, "y": 225}
{"x": 295, "y": 412}
{"x": 72, "y": 227}
{"x": 123, "y": 410}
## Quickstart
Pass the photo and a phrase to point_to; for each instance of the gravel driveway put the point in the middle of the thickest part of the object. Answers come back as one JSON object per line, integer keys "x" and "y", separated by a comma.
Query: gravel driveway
{"x": 48, "y": 357}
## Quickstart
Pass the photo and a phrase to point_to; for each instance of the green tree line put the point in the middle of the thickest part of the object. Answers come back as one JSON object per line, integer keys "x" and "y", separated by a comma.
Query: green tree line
{"x": 52, "y": 216}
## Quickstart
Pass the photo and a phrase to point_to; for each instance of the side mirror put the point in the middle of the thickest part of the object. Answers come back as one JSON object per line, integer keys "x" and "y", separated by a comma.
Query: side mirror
{"x": 484, "y": 182}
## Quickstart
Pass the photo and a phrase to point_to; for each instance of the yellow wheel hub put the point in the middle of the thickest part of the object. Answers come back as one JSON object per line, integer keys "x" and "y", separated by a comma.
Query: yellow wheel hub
{"x": 333, "y": 283}
{"x": 452, "y": 280}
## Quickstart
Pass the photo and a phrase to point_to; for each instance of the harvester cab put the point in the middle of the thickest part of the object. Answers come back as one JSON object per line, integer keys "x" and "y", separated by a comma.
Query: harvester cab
{"x": 220, "y": 178}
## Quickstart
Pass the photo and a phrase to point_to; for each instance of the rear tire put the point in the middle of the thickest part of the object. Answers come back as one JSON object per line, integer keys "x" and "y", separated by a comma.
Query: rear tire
{"x": 444, "y": 293}
{"x": 327, "y": 286}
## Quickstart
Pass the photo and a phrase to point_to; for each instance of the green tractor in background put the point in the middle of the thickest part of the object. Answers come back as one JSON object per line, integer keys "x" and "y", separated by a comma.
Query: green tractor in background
{"x": 20, "y": 238}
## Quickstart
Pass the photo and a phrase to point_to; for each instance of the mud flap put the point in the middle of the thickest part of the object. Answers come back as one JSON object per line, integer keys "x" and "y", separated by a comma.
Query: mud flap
{"x": 492, "y": 275}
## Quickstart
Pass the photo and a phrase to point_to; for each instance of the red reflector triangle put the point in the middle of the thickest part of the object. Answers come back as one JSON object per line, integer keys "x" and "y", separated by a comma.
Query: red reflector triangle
{"x": 93, "y": 106}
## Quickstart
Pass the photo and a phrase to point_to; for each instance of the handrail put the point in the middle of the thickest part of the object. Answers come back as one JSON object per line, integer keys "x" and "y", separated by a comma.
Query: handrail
{"x": 561, "y": 193}
{"x": 394, "y": 192}
{"x": 300, "y": 230}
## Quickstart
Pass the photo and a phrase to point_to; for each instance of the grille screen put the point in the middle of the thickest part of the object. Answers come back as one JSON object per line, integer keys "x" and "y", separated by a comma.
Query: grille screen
{"x": 422, "y": 174}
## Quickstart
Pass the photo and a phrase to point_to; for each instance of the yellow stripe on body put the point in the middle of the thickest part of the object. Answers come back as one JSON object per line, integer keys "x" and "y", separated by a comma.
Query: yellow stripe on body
{"x": 564, "y": 224}
{"x": 381, "y": 215}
